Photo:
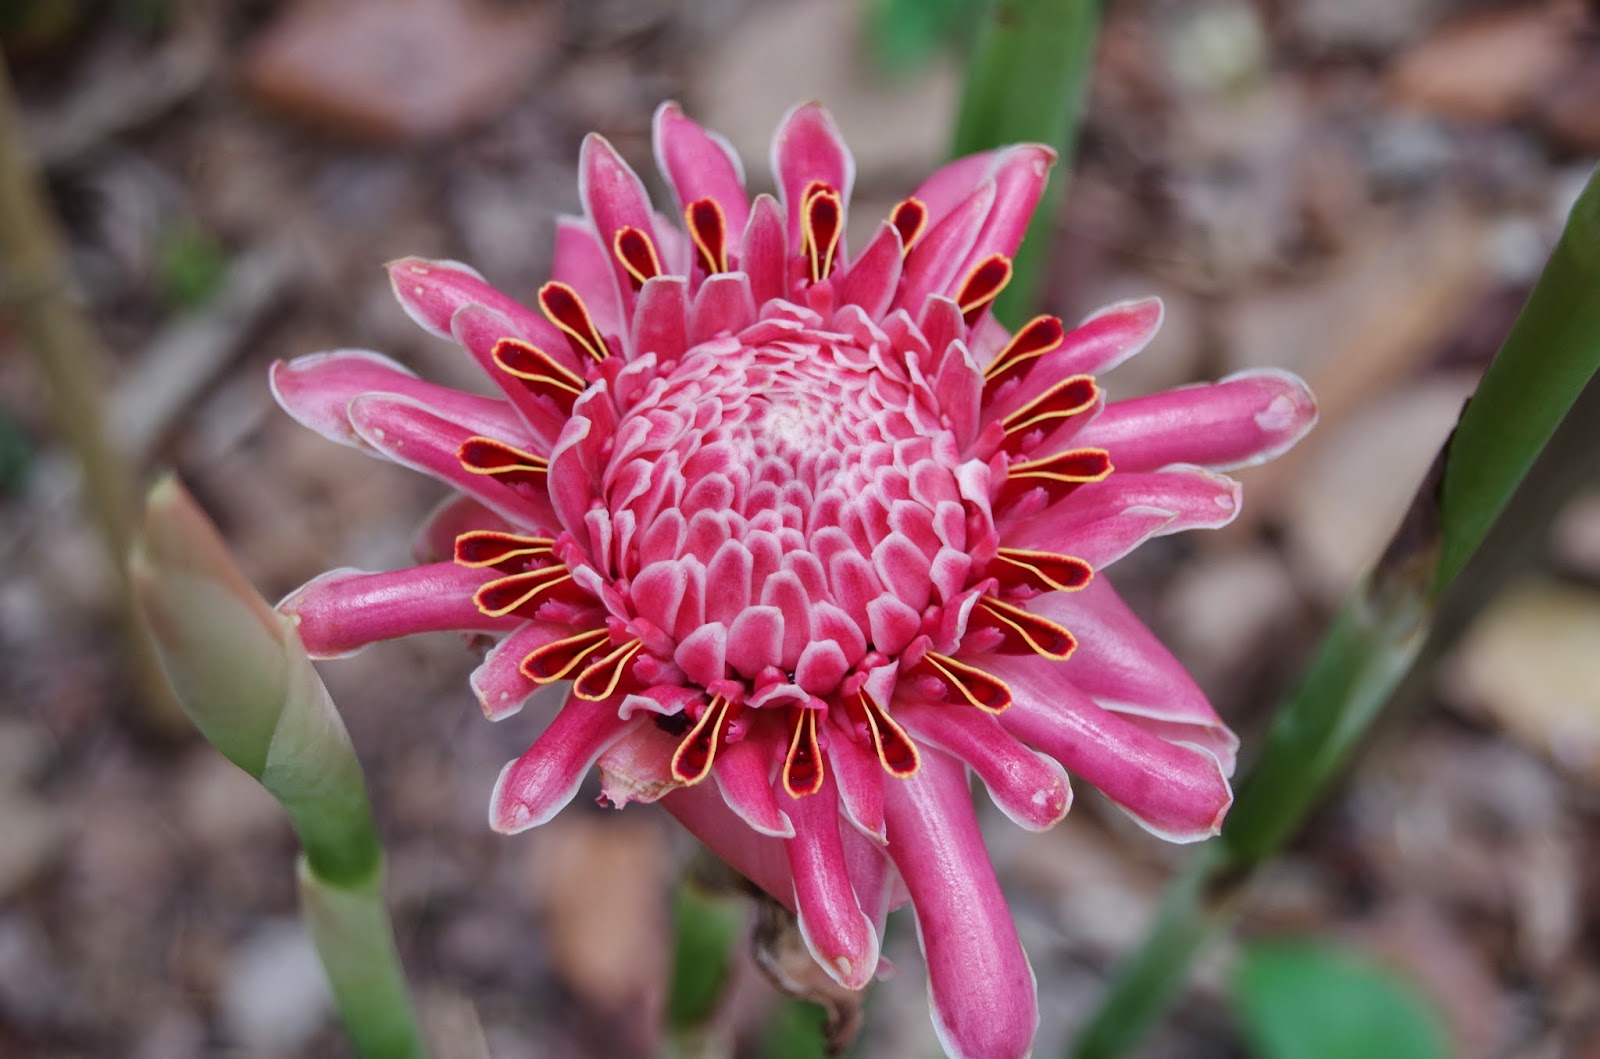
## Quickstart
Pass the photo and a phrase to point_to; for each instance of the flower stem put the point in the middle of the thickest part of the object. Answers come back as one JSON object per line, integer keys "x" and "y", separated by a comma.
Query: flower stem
{"x": 242, "y": 676}
{"x": 1528, "y": 437}
{"x": 35, "y": 290}
{"x": 1027, "y": 80}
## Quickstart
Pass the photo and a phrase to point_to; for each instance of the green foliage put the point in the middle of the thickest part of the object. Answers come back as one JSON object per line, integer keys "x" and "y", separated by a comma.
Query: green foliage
{"x": 16, "y": 456}
{"x": 1311, "y": 1000}
{"x": 795, "y": 1031}
{"x": 905, "y": 34}
{"x": 191, "y": 264}
{"x": 707, "y": 928}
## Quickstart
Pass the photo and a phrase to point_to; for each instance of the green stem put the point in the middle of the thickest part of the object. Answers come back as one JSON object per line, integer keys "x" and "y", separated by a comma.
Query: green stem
{"x": 350, "y": 926}
{"x": 245, "y": 681}
{"x": 1027, "y": 81}
{"x": 1530, "y": 434}
{"x": 35, "y": 289}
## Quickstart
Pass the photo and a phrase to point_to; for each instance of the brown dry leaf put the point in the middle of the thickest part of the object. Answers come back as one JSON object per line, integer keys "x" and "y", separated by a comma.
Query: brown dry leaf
{"x": 399, "y": 70}
{"x": 1530, "y": 662}
{"x": 1488, "y": 65}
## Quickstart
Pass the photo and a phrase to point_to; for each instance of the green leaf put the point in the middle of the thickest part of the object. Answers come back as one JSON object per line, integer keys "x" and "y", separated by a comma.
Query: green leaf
{"x": 906, "y": 33}
{"x": 1311, "y": 1000}
{"x": 1552, "y": 352}
{"x": 707, "y": 927}
{"x": 1028, "y": 80}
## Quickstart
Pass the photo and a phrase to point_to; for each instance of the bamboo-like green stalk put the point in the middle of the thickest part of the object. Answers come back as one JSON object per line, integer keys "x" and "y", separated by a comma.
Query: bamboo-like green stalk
{"x": 1498, "y": 481}
{"x": 243, "y": 678}
{"x": 36, "y": 290}
{"x": 1027, "y": 81}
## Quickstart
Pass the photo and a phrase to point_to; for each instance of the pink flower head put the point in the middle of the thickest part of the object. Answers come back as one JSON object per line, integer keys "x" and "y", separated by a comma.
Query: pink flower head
{"x": 804, "y": 535}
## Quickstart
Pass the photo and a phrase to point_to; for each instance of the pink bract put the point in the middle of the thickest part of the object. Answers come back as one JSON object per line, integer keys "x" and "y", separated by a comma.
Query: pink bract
{"x": 805, "y": 535}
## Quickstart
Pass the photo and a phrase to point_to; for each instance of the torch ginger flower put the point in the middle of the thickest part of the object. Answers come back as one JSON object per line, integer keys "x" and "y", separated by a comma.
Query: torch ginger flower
{"x": 803, "y": 535}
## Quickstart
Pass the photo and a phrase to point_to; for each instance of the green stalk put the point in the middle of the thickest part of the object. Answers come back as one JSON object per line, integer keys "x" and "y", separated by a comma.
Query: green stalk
{"x": 1515, "y": 456}
{"x": 1027, "y": 81}
{"x": 242, "y": 676}
{"x": 36, "y": 290}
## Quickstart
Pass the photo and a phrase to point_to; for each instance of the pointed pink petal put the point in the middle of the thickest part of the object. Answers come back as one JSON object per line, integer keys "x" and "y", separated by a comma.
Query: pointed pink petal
{"x": 1239, "y": 421}
{"x": 872, "y": 277}
{"x": 1029, "y": 788}
{"x": 699, "y": 165}
{"x": 431, "y": 291}
{"x": 661, "y": 319}
{"x": 724, "y": 305}
{"x": 478, "y": 330}
{"x": 743, "y": 772}
{"x": 1020, "y": 174}
{"x": 1119, "y": 661}
{"x": 414, "y": 437}
{"x": 808, "y": 147}
{"x": 980, "y": 986}
{"x": 760, "y": 858}
{"x": 860, "y": 777}
{"x": 585, "y": 264}
{"x": 317, "y": 389}
{"x": 764, "y": 251}
{"x": 614, "y": 198}
{"x": 498, "y": 681}
{"x": 1103, "y": 521}
{"x": 841, "y": 937}
{"x": 341, "y": 611}
{"x": 953, "y": 182}
{"x": 934, "y": 264}
{"x": 540, "y": 783}
{"x": 1177, "y": 792}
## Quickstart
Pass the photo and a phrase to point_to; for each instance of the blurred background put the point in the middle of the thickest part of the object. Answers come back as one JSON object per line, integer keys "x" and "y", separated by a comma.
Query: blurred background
{"x": 1359, "y": 190}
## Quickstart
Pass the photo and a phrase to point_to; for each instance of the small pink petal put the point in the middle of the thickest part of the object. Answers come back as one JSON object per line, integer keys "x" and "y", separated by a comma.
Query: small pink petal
{"x": 1029, "y": 788}
{"x": 414, "y": 437}
{"x": 541, "y": 782}
{"x": 499, "y": 682}
{"x": 431, "y": 291}
{"x": 1119, "y": 661}
{"x": 661, "y": 319}
{"x": 743, "y": 772}
{"x": 724, "y": 305}
{"x": 841, "y": 937}
{"x": 764, "y": 251}
{"x": 614, "y": 198}
{"x": 871, "y": 279}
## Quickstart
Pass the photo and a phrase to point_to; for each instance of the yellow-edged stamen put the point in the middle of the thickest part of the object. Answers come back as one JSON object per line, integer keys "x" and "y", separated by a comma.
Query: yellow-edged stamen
{"x": 480, "y": 548}
{"x": 821, "y": 224}
{"x": 1071, "y": 396}
{"x": 910, "y": 219}
{"x": 1044, "y": 571}
{"x": 566, "y": 310}
{"x": 983, "y": 285}
{"x": 503, "y": 595}
{"x": 599, "y": 681}
{"x": 975, "y": 687}
{"x": 1041, "y": 335}
{"x": 1075, "y": 466}
{"x": 506, "y": 463}
{"x": 537, "y": 371}
{"x": 803, "y": 770}
{"x": 553, "y": 661}
{"x": 693, "y": 759}
{"x": 708, "y": 227}
{"x": 896, "y": 752}
{"x": 1024, "y": 628}
{"x": 637, "y": 253}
